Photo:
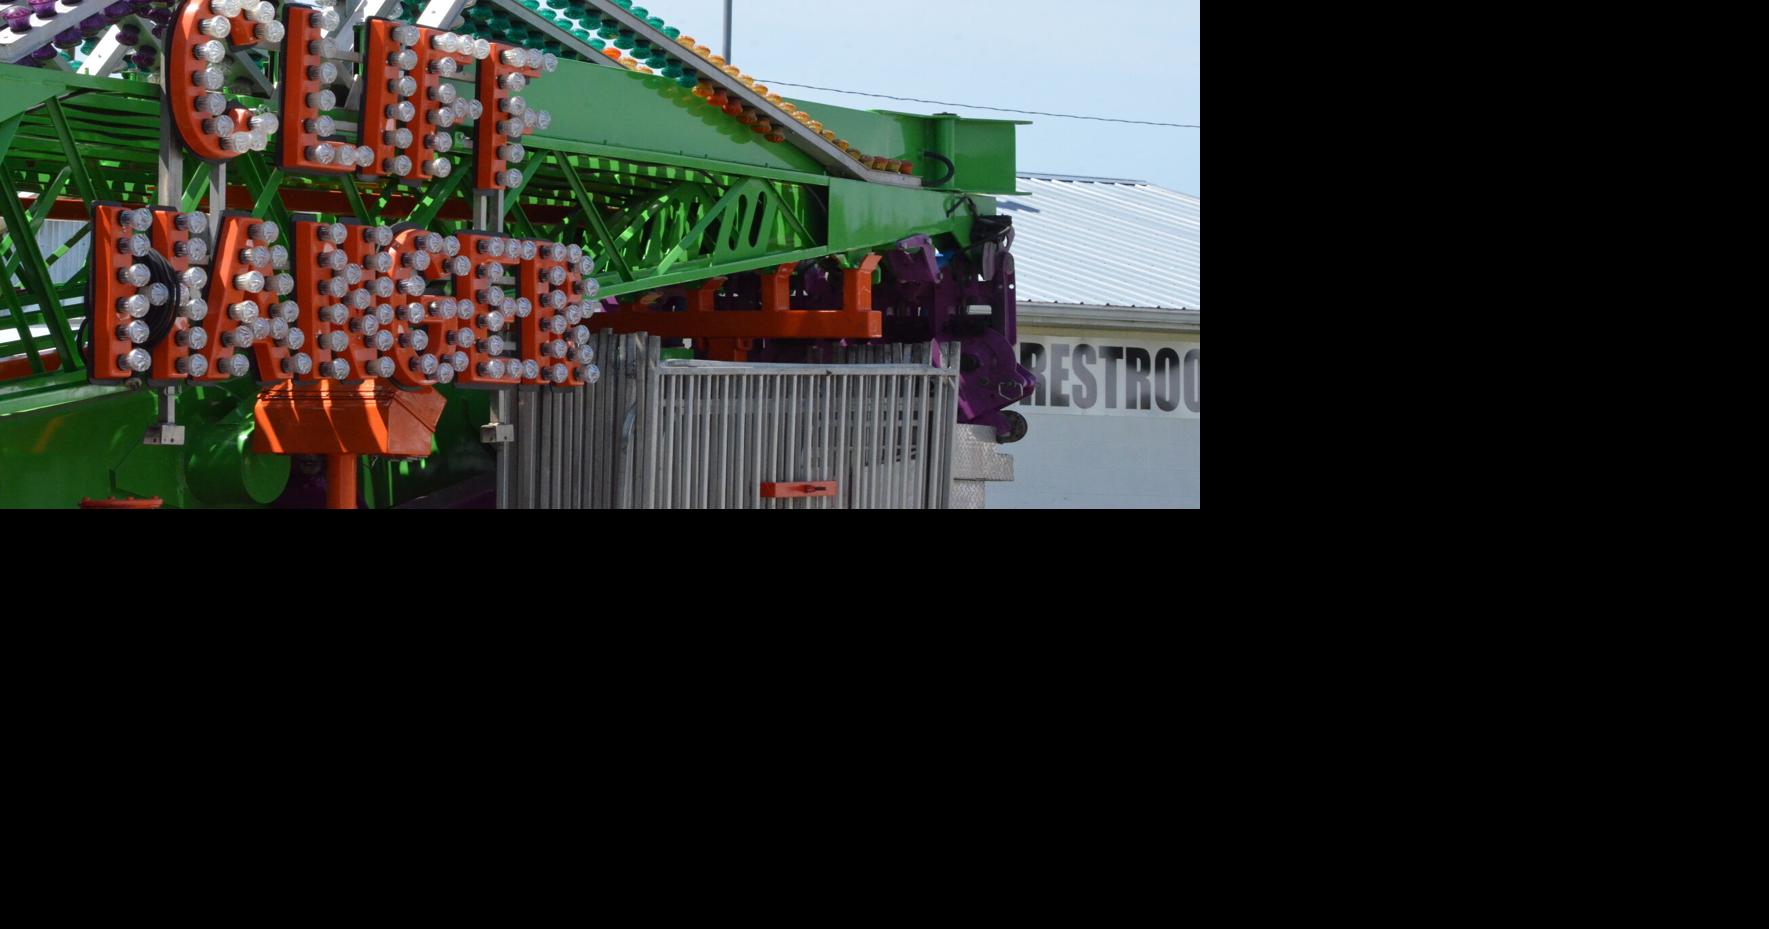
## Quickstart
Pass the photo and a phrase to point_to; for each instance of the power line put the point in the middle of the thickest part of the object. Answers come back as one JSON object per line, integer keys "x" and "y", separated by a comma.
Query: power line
{"x": 972, "y": 106}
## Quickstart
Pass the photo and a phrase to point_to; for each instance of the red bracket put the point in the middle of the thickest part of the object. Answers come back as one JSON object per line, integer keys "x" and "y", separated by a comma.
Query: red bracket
{"x": 798, "y": 490}
{"x": 726, "y": 331}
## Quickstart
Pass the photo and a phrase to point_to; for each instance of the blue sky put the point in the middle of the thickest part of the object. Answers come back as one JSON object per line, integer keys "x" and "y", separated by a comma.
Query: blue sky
{"x": 1131, "y": 59}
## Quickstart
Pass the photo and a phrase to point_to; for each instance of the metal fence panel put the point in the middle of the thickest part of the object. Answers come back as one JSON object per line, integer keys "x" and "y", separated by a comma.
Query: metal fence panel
{"x": 657, "y": 434}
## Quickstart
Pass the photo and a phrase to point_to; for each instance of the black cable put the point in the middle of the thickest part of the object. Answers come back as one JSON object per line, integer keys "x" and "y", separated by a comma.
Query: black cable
{"x": 160, "y": 318}
{"x": 973, "y": 106}
{"x": 951, "y": 170}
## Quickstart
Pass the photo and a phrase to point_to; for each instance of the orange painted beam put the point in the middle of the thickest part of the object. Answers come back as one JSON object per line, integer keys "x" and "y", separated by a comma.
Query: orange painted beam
{"x": 340, "y": 482}
{"x": 14, "y": 368}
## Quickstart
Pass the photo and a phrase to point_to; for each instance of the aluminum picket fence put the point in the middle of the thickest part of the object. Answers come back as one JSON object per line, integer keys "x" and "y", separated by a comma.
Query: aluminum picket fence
{"x": 674, "y": 434}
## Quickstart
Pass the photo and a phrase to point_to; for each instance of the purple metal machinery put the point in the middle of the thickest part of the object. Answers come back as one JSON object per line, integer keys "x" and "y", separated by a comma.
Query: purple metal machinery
{"x": 929, "y": 297}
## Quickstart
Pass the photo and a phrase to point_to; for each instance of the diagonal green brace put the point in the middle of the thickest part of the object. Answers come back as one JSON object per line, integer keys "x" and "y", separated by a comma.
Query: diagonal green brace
{"x": 431, "y": 203}
{"x": 264, "y": 183}
{"x": 39, "y": 210}
{"x": 587, "y": 206}
{"x": 352, "y": 194}
{"x": 16, "y": 312}
{"x": 197, "y": 189}
{"x": 82, "y": 180}
{"x": 35, "y": 274}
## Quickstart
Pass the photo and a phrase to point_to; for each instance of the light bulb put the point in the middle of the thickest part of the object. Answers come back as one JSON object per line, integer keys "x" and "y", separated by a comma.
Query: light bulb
{"x": 136, "y": 275}
{"x": 136, "y": 360}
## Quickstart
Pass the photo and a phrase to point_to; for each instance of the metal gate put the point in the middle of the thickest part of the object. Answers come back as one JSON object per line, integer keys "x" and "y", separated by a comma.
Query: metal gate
{"x": 670, "y": 434}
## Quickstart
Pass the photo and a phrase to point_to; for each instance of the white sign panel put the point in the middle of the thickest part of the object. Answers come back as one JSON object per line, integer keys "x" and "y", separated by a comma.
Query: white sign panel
{"x": 1113, "y": 377}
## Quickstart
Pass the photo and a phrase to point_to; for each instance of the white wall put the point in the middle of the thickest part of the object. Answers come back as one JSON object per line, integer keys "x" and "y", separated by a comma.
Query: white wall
{"x": 1094, "y": 443}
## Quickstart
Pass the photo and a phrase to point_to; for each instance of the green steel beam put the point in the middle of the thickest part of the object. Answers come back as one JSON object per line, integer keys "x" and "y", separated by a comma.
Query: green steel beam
{"x": 82, "y": 180}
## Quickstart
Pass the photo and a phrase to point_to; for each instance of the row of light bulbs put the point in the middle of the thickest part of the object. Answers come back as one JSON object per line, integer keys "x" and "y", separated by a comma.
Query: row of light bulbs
{"x": 150, "y": 293}
{"x": 445, "y": 363}
{"x": 211, "y": 78}
{"x": 454, "y": 110}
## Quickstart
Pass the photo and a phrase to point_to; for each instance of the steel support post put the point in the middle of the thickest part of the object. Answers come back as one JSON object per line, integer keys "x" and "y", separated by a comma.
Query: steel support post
{"x": 168, "y": 191}
{"x": 500, "y": 433}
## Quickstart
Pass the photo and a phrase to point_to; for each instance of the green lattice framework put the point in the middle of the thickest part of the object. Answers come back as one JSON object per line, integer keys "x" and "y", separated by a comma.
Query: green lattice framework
{"x": 661, "y": 188}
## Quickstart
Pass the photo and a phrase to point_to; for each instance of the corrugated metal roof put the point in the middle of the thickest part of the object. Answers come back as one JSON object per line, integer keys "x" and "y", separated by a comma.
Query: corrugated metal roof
{"x": 1102, "y": 242}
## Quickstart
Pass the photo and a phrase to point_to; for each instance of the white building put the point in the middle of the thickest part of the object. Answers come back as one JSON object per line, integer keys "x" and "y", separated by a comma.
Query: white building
{"x": 1109, "y": 320}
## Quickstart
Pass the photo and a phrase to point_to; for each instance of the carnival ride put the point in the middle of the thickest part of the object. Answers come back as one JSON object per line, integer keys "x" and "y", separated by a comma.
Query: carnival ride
{"x": 350, "y": 239}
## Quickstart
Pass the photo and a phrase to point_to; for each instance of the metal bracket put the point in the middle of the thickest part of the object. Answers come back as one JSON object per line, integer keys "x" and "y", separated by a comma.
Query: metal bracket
{"x": 107, "y": 56}
{"x": 166, "y": 431}
{"x": 438, "y": 14}
{"x": 497, "y": 433}
{"x": 164, "y": 434}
